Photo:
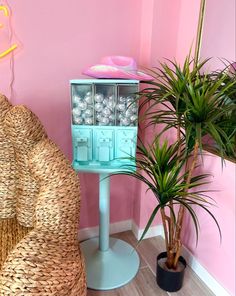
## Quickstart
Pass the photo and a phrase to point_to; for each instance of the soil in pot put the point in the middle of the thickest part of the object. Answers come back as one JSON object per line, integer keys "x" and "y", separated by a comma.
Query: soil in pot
{"x": 168, "y": 279}
{"x": 162, "y": 263}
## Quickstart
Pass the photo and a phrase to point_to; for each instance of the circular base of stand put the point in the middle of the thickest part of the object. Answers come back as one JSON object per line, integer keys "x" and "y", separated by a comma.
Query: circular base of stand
{"x": 112, "y": 268}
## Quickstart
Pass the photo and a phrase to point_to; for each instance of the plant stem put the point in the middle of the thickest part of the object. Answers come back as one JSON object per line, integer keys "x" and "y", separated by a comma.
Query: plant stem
{"x": 171, "y": 227}
{"x": 177, "y": 254}
{"x": 180, "y": 218}
{"x": 169, "y": 250}
{"x": 178, "y": 139}
{"x": 199, "y": 31}
{"x": 170, "y": 238}
{"x": 163, "y": 216}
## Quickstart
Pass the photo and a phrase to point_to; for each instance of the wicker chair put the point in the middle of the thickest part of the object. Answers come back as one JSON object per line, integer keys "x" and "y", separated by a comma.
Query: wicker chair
{"x": 47, "y": 261}
{"x": 7, "y": 166}
{"x": 24, "y": 130}
{"x": 11, "y": 231}
{"x": 20, "y": 130}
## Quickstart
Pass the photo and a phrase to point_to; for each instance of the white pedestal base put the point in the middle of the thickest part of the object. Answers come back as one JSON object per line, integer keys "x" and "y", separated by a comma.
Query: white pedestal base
{"x": 112, "y": 268}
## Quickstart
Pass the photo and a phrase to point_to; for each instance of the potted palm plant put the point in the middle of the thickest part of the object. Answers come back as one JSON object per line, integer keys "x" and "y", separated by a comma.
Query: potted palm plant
{"x": 228, "y": 120}
{"x": 191, "y": 102}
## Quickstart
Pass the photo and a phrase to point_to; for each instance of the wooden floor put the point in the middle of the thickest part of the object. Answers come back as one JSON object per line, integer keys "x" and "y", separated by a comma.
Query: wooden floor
{"x": 144, "y": 284}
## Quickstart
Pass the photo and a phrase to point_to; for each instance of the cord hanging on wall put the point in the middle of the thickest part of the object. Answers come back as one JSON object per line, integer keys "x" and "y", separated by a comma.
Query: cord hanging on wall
{"x": 12, "y": 47}
{"x": 5, "y": 9}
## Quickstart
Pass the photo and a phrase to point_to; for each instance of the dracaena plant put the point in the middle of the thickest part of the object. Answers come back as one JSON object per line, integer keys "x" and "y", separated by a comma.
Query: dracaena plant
{"x": 228, "y": 120}
{"x": 192, "y": 102}
{"x": 161, "y": 168}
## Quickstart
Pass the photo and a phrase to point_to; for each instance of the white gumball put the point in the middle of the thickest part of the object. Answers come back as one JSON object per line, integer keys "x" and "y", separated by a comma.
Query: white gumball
{"x": 134, "y": 109}
{"x": 88, "y": 112}
{"x": 120, "y": 116}
{"x": 133, "y": 118}
{"x": 131, "y": 106}
{"x": 76, "y": 112}
{"x": 76, "y": 100}
{"x": 125, "y": 121}
{"x": 122, "y": 99}
{"x": 105, "y": 102}
{"x": 88, "y": 93}
{"x": 82, "y": 106}
{"x": 88, "y": 121}
{"x": 98, "y": 107}
{"x": 88, "y": 99}
{"x": 106, "y": 111}
{"x": 111, "y": 98}
{"x": 111, "y": 117}
{"x": 111, "y": 104}
{"x": 104, "y": 121}
{"x": 98, "y": 98}
{"x": 128, "y": 112}
{"x": 78, "y": 120}
{"x": 121, "y": 107}
{"x": 129, "y": 100}
{"x": 98, "y": 116}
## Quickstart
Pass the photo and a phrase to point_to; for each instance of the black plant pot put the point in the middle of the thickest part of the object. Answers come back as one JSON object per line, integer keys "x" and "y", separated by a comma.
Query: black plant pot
{"x": 167, "y": 280}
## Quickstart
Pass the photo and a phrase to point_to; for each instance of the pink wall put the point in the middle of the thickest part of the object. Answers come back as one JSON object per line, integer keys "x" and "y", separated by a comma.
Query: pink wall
{"x": 219, "y": 34}
{"x": 218, "y": 259}
{"x": 173, "y": 39}
{"x": 165, "y": 30}
{"x": 174, "y": 27}
{"x": 58, "y": 41}
{"x": 219, "y": 41}
{"x": 187, "y": 29}
{"x": 146, "y": 29}
{"x": 156, "y": 43}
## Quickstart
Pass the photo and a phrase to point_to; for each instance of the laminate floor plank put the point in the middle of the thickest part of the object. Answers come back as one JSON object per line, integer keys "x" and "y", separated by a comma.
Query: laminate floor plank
{"x": 150, "y": 248}
{"x": 129, "y": 237}
{"x": 192, "y": 286}
{"x": 144, "y": 284}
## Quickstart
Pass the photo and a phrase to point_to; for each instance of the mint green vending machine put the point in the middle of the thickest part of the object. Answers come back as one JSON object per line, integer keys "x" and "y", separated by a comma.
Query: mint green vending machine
{"x": 104, "y": 136}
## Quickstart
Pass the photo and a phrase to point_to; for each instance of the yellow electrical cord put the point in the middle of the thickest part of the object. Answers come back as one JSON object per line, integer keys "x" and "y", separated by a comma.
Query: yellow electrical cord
{"x": 14, "y": 46}
{"x": 6, "y": 52}
{"x": 5, "y": 9}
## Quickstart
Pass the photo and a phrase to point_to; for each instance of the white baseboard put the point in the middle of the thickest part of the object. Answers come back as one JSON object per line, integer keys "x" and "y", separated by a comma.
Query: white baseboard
{"x": 193, "y": 263}
{"x": 203, "y": 274}
{"x": 152, "y": 231}
{"x": 117, "y": 227}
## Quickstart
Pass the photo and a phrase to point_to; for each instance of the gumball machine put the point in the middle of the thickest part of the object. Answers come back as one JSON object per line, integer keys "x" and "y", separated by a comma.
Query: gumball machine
{"x": 104, "y": 123}
{"x": 104, "y": 136}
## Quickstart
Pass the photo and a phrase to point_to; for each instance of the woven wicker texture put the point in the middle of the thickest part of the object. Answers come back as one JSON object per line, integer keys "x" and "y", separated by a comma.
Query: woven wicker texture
{"x": 7, "y": 167}
{"x": 11, "y": 232}
{"x": 24, "y": 130}
{"x": 48, "y": 260}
